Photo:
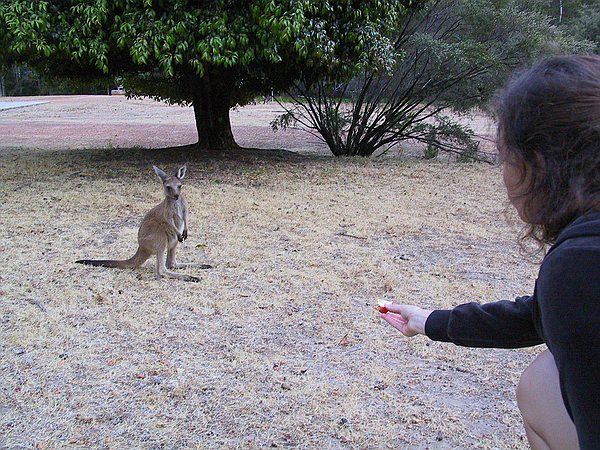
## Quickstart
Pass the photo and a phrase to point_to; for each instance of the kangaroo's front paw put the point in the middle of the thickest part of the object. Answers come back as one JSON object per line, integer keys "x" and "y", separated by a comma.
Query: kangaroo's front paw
{"x": 184, "y": 235}
{"x": 192, "y": 279}
{"x": 180, "y": 237}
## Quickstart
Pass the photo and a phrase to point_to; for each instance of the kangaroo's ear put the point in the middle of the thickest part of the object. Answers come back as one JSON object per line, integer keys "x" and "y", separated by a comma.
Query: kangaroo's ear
{"x": 181, "y": 172}
{"x": 161, "y": 174}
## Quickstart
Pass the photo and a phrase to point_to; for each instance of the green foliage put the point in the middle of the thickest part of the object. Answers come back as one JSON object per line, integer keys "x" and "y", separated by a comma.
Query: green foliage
{"x": 557, "y": 11}
{"x": 161, "y": 44}
{"x": 444, "y": 134}
{"x": 585, "y": 24}
{"x": 431, "y": 151}
{"x": 214, "y": 54}
{"x": 452, "y": 55}
{"x": 20, "y": 80}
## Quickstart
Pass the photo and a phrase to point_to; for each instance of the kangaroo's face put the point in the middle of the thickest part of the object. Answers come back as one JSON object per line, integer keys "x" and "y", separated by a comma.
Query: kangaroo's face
{"x": 171, "y": 183}
{"x": 172, "y": 187}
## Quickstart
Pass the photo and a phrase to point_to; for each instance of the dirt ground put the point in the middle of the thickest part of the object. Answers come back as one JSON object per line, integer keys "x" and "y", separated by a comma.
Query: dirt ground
{"x": 279, "y": 344}
{"x": 74, "y": 122}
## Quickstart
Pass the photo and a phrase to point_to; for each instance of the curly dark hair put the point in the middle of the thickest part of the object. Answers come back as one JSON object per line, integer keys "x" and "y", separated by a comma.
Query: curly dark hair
{"x": 549, "y": 124}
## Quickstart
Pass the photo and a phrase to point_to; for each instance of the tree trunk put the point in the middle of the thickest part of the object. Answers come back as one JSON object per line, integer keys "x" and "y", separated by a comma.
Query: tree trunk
{"x": 212, "y": 102}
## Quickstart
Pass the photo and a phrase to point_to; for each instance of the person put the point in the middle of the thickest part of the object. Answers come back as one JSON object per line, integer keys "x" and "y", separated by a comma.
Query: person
{"x": 549, "y": 143}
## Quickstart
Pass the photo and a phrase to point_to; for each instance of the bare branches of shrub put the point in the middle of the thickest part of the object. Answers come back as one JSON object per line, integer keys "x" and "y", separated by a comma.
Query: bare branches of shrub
{"x": 450, "y": 57}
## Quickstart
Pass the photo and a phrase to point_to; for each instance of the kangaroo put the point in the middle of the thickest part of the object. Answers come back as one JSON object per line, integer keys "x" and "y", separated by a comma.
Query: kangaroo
{"x": 162, "y": 228}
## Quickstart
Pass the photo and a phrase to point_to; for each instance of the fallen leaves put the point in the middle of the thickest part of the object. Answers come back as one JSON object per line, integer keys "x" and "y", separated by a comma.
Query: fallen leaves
{"x": 345, "y": 341}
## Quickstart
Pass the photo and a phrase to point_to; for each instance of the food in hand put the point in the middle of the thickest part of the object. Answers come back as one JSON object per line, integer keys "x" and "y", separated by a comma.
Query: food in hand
{"x": 381, "y": 306}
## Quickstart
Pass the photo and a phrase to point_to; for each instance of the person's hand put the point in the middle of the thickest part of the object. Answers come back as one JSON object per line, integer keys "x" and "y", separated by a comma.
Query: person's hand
{"x": 407, "y": 319}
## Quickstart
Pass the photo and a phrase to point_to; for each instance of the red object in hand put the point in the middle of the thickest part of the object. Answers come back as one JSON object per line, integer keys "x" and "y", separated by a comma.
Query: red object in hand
{"x": 381, "y": 307}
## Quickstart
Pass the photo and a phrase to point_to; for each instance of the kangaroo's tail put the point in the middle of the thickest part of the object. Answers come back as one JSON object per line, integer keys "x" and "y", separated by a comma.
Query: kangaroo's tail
{"x": 135, "y": 261}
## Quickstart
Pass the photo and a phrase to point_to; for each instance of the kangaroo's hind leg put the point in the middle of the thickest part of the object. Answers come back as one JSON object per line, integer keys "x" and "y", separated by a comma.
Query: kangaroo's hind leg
{"x": 173, "y": 264}
{"x": 161, "y": 269}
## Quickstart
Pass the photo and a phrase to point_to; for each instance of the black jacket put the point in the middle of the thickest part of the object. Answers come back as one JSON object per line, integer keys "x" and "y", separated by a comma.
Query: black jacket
{"x": 563, "y": 312}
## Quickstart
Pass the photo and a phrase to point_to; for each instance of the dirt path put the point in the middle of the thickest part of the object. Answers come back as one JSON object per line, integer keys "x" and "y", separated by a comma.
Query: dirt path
{"x": 115, "y": 122}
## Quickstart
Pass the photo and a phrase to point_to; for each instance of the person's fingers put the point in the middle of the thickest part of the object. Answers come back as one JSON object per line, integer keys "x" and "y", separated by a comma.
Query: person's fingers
{"x": 393, "y": 318}
{"x": 404, "y": 319}
{"x": 393, "y": 307}
{"x": 395, "y": 321}
{"x": 395, "y": 324}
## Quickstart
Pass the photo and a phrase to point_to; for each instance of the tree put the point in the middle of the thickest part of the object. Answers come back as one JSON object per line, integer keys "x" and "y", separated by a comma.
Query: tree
{"x": 451, "y": 56}
{"x": 585, "y": 24}
{"x": 212, "y": 54}
{"x": 558, "y": 11}
{"x": 20, "y": 80}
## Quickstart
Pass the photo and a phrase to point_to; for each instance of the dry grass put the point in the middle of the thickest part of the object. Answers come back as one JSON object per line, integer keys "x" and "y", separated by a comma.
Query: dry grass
{"x": 279, "y": 345}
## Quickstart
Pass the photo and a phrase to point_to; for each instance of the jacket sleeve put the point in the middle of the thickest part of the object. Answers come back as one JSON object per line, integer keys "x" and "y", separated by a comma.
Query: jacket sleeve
{"x": 569, "y": 301}
{"x": 503, "y": 324}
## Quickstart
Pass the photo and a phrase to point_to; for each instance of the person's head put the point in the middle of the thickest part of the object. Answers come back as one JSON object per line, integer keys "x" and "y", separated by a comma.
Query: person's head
{"x": 549, "y": 141}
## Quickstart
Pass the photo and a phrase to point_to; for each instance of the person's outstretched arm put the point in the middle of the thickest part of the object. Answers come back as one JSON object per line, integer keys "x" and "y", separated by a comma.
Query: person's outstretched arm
{"x": 502, "y": 324}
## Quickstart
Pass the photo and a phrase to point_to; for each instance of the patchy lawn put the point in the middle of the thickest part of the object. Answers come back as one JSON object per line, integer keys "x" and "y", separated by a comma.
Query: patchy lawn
{"x": 279, "y": 345}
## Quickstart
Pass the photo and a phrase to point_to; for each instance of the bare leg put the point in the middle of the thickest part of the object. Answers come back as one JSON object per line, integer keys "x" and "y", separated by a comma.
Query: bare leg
{"x": 547, "y": 424}
{"x": 161, "y": 269}
{"x": 171, "y": 260}
{"x": 173, "y": 264}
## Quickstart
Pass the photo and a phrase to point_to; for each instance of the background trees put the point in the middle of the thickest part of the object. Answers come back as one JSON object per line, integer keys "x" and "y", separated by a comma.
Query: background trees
{"x": 364, "y": 76}
{"x": 585, "y": 23}
{"x": 450, "y": 56}
{"x": 213, "y": 54}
